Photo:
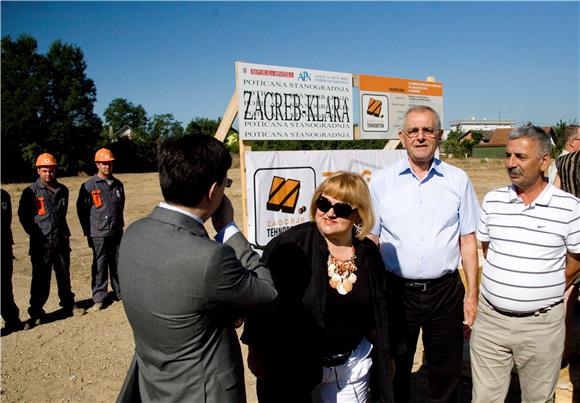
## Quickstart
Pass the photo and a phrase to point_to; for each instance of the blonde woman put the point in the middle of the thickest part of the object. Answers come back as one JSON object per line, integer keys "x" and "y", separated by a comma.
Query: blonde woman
{"x": 335, "y": 323}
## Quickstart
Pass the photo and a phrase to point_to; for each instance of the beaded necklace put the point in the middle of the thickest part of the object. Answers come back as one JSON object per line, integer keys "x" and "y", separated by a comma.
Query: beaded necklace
{"x": 341, "y": 273}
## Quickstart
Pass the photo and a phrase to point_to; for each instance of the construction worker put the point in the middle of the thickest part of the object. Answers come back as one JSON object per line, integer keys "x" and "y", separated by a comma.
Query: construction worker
{"x": 100, "y": 209}
{"x": 42, "y": 212}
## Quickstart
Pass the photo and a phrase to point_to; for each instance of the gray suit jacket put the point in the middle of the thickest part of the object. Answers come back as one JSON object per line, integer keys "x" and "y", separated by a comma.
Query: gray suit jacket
{"x": 182, "y": 293}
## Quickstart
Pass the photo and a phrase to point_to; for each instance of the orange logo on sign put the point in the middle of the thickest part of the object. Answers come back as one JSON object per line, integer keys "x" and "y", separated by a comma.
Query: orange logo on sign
{"x": 283, "y": 195}
{"x": 374, "y": 108}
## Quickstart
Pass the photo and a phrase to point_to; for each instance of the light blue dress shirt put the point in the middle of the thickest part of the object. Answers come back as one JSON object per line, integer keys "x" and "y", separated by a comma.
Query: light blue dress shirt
{"x": 419, "y": 221}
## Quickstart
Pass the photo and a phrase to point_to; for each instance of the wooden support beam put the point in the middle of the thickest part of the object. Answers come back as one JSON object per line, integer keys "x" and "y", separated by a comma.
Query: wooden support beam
{"x": 228, "y": 119}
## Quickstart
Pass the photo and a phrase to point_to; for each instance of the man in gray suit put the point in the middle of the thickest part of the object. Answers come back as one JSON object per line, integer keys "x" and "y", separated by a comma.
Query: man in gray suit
{"x": 183, "y": 292}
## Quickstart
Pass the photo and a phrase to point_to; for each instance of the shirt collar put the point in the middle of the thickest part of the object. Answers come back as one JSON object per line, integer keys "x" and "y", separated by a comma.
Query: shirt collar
{"x": 43, "y": 185}
{"x": 180, "y": 210}
{"x": 543, "y": 198}
{"x": 434, "y": 169}
{"x": 99, "y": 179}
{"x": 40, "y": 183}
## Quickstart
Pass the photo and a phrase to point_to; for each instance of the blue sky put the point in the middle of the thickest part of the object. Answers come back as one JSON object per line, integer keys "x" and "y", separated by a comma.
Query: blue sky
{"x": 517, "y": 60}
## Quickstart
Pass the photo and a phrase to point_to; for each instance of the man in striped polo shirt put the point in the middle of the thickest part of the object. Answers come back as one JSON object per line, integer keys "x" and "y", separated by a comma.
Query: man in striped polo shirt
{"x": 530, "y": 233}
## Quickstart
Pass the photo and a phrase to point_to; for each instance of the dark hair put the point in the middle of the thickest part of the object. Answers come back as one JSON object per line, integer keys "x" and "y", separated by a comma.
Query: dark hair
{"x": 189, "y": 166}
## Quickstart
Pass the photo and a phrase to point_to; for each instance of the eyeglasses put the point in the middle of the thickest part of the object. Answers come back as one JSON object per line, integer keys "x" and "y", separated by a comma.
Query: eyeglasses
{"x": 341, "y": 210}
{"x": 413, "y": 132}
{"x": 227, "y": 182}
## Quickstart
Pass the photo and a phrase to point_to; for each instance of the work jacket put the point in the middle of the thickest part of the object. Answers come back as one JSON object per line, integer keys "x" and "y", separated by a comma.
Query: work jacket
{"x": 42, "y": 213}
{"x": 100, "y": 207}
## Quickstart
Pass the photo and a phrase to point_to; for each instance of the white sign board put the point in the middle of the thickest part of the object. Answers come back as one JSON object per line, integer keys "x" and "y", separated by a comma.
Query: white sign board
{"x": 280, "y": 184}
{"x": 286, "y": 103}
{"x": 384, "y": 101}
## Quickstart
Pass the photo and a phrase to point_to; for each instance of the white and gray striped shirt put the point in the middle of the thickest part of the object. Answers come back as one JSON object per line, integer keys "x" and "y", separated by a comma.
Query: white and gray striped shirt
{"x": 525, "y": 266}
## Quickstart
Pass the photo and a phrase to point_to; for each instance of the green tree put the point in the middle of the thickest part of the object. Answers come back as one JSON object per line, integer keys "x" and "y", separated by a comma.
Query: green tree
{"x": 164, "y": 126}
{"x": 159, "y": 128}
{"x": 131, "y": 154}
{"x": 73, "y": 128}
{"x": 459, "y": 146}
{"x": 121, "y": 113}
{"x": 209, "y": 127}
{"x": 47, "y": 105}
{"x": 202, "y": 126}
{"x": 24, "y": 85}
{"x": 468, "y": 144}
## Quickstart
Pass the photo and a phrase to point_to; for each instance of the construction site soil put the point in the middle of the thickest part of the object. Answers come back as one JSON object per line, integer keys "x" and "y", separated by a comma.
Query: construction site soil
{"x": 85, "y": 358}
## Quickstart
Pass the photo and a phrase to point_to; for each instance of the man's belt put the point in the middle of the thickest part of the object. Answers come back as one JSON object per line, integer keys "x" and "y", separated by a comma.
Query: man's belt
{"x": 514, "y": 314}
{"x": 423, "y": 285}
{"x": 335, "y": 359}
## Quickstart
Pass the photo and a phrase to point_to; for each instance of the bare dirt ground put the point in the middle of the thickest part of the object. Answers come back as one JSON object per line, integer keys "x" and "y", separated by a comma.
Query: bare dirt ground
{"x": 85, "y": 359}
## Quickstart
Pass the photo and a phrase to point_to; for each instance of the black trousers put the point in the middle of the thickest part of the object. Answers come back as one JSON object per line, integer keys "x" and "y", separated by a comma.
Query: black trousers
{"x": 438, "y": 311}
{"x": 10, "y": 312}
{"x": 280, "y": 391}
{"x": 42, "y": 265}
{"x": 105, "y": 258}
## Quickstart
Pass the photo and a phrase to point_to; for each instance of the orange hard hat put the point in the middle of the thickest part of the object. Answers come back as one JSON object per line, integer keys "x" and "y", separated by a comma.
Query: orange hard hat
{"x": 46, "y": 160}
{"x": 104, "y": 155}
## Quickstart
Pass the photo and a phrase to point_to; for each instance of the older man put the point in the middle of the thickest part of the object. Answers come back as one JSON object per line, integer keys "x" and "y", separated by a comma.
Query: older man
{"x": 531, "y": 240}
{"x": 426, "y": 219}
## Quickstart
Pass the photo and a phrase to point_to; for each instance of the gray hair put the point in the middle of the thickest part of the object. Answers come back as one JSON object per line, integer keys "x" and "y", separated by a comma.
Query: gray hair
{"x": 423, "y": 108}
{"x": 536, "y": 133}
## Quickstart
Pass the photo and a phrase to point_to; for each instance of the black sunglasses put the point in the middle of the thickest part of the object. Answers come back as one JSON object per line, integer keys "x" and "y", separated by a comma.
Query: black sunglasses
{"x": 341, "y": 210}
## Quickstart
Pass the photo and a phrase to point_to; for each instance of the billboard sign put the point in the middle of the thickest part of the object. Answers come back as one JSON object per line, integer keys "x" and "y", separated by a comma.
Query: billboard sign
{"x": 384, "y": 101}
{"x": 287, "y": 103}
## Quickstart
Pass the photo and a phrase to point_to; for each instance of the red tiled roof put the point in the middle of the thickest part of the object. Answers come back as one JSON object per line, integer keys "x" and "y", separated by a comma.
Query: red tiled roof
{"x": 499, "y": 137}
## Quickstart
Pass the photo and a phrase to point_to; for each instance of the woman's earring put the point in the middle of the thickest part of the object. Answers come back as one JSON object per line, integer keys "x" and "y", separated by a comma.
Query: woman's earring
{"x": 358, "y": 227}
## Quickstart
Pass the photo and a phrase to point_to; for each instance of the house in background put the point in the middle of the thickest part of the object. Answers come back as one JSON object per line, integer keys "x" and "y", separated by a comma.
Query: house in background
{"x": 492, "y": 145}
{"x": 486, "y": 135}
{"x": 481, "y": 124}
{"x": 125, "y": 131}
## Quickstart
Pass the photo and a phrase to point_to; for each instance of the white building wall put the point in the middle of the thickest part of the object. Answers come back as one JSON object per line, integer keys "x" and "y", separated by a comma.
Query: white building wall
{"x": 481, "y": 124}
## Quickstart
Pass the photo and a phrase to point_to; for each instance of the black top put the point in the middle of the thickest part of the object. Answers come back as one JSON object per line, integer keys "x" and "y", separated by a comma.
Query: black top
{"x": 348, "y": 318}
{"x": 294, "y": 336}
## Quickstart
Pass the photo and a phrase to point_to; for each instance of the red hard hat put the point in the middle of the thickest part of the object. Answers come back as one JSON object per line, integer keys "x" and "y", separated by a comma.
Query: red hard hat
{"x": 104, "y": 155}
{"x": 46, "y": 160}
